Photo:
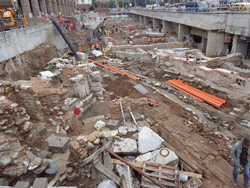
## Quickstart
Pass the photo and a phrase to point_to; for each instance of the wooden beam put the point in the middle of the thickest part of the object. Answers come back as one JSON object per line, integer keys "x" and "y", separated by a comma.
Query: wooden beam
{"x": 99, "y": 166}
{"x": 138, "y": 165}
{"x": 95, "y": 154}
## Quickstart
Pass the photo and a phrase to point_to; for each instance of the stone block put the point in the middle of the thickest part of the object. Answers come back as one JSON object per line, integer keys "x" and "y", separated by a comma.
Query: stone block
{"x": 59, "y": 144}
{"x": 148, "y": 140}
{"x": 41, "y": 129}
{"x": 138, "y": 117}
{"x": 40, "y": 183}
{"x": 164, "y": 156}
{"x": 22, "y": 184}
{"x": 113, "y": 124}
{"x": 125, "y": 146}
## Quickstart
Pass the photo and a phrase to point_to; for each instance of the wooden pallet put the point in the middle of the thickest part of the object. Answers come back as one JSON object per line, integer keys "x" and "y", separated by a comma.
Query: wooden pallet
{"x": 156, "y": 171}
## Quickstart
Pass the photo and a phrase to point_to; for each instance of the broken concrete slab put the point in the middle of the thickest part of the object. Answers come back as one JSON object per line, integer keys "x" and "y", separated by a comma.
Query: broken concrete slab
{"x": 148, "y": 140}
{"x": 141, "y": 89}
{"x": 125, "y": 146}
{"x": 194, "y": 183}
{"x": 161, "y": 156}
{"x": 58, "y": 144}
{"x": 113, "y": 124}
{"x": 141, "y": 124}
{"x": 41, "y": 129}
{"x": 99, "y": 125}
{"x": 123, "y": 130}
{"x": 22, "y": 184}
{"x": 40, "y": 183}
{"x": 107, "y": 184}
{"x": 41, "y": 168}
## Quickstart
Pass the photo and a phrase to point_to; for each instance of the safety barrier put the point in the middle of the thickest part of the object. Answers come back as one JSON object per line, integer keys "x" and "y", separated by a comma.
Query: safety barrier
{"x": 197, "y": 94}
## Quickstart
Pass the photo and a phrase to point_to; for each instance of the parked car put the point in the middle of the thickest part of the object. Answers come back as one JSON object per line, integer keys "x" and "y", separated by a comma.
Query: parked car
{"x": 196, "y": 6}
{"x": 242, "y": 7}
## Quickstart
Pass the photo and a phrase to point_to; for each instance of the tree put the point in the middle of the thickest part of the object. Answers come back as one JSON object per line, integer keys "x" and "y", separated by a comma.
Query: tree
{"x": 111, "y": 4}
{"x": 94, "y": 4}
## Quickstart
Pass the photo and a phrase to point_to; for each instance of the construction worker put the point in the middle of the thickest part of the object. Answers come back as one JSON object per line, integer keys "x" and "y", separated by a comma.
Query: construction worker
{"x": 97, "y": 46}
{"x": 153, "y": 40}
{"x": 105, "y": 31}
{"x": 148, "y": 40}
{"x": 241, "y": 157}
{"x": 89, "y": 17}
{"x": 95, "y": 18}
{"x": 92, "y": 47}
{"x": 163, "y": 40}
{"x": 60, "y": 14}
{"x": 100, "y": 30}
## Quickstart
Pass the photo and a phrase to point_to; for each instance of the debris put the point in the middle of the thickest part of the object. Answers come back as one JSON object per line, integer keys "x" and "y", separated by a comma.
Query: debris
{"x": 122, "y": 113}
{"x": 99, "y": 125}
{"x": 52, "y": 169}
{"x": 40, "y": 183}
{"x": 123, "y": 130}
{"x": 162, "y": 156}
{"x": 126, "y": 146}
{"x": 58, "y": 144}
{"x": 194, "y": 183}
{"x": 148, "y": 140}
{"x": 89, "y": 146}
{"x": 136, "y": 169}
{"x": 42, "y": 167}
{"x": 22, "y": 184}
{"x": 113, "y": 124}
{"x": 107, "y": 184}
{"x": 165, "y": 170}
{"x": 97, "y": 53}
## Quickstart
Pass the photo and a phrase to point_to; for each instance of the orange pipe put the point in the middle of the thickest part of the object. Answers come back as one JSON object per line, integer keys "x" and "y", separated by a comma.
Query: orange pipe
{"x": 114, "y": 69}
{"x": 198, "y": 94}
{"x": 152, "y": 102}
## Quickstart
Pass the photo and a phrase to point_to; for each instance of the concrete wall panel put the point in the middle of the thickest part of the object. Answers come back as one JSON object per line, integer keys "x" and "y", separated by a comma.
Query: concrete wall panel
{"x": 22, "y": 40}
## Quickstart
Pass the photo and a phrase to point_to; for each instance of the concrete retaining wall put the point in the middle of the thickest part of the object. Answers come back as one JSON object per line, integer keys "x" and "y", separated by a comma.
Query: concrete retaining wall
{"x": 18, "y": 41}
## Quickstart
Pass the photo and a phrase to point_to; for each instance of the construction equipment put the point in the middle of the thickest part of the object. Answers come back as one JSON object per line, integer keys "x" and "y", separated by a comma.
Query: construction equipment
{"x": 11, "y": 15}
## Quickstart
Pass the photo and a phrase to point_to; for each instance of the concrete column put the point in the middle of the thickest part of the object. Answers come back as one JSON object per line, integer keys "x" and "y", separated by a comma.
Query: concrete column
{"x": 55, "y": 7}
{"x": 156, "y": 24}
{"x": 49, "y": 7}
{"x": 43, "y": 6}
{"x": 26, "y": 7}
{"x": 59, "y": 5}
{"x": 146, "y": 20}
{"x": 215, "y": 42}
{"x": 166, "y": 26}
{"x": 235, "y": 42}
{"x": 239, "y": 46}
{"x": 35, "y": 7}
{"x": 141, "y": 20}
{"x": 183, "y": 31}
{"x": 203, "y": 45}
{"x": 63, "y": 7}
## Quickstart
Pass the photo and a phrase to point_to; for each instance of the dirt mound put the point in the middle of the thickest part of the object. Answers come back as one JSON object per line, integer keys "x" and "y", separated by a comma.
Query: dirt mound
{"x": 122, "y": 87}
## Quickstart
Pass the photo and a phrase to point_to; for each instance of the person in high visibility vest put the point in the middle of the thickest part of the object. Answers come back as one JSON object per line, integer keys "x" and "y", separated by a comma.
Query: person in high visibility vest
{"x": 105, "y": 31}
{"x": 60, "y": 14}
{"x": 153, "y": 40}
{"x": 71, "y": 27}
{"x": 92, "y": 47}
{"x": 163, "y": 40}
{"x": 97, "y": 46}
{"x": 148, "y": 40}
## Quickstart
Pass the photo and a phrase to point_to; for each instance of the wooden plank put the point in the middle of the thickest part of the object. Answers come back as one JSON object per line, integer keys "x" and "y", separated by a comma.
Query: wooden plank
{"x": 107, "y": 161}
{"x": 123, "y": 182}
{"x": 99, "y": 166}
{"x": 189, "y": 174}
{"x": 95, "y": 154}
{"x": 161, "y": 177}
{"x": 164, "y": 183}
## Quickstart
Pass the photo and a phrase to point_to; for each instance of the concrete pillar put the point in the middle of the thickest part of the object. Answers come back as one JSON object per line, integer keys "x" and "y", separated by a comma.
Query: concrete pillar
{"x": 183, "y": 31}
{"x": 26, "y": 7}
{"x": 49, "y": 7}
{"x": 239, "y": 46}
{"x": 203, "y": 45}
{"x": 146, "y": 20}
{"x": 35, "y": 7}
{"x": 141, "y": 20}
{"x": 156, "y": 24}
{"x": 55, "y": 7}
{"x": 215, "y": 42}
{"x": 166, "y": 26}
{"x": 59, "y": 5}
{"x": 43, "y": 6}
{"x": 235, "y": 42}
{"x": 63, "y": 7}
